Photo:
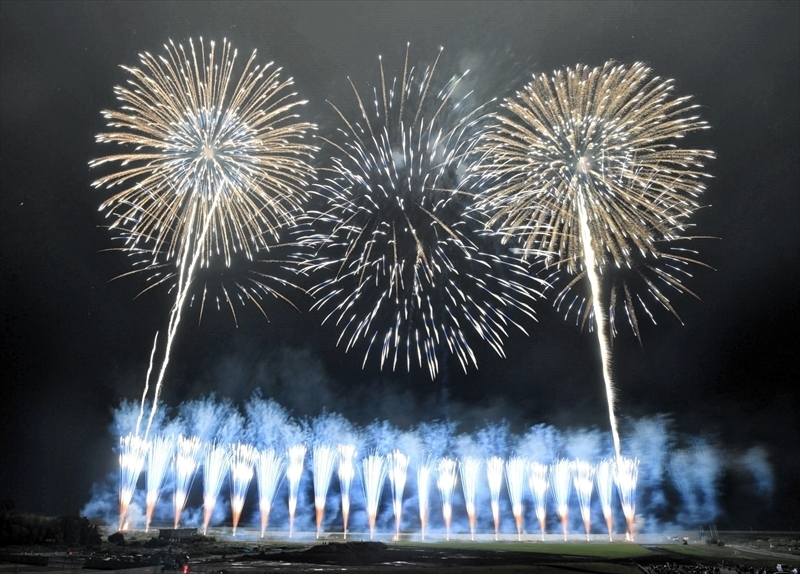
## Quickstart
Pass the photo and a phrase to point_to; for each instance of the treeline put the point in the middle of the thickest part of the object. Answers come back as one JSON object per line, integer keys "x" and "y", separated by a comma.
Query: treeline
{"x": 24, "y": 529}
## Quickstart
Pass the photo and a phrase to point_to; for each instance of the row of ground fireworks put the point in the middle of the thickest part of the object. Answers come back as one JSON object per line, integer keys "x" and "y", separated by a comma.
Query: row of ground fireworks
{"x": 183, "y": 456}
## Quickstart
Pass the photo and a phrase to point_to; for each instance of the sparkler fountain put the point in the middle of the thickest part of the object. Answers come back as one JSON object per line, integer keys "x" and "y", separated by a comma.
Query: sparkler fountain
{"x": 215, "y": 466}
{"x": 447, "y": 483}
{"x": 373, "y": 469}
{"x": 241, "y": 464}
{"x": 494, "y": 472}
{"x": 132, "y": 454}
{"x": 159, "y": 456}
{"x": 186, "y": 455}
{"x": 398, "y": 468}
{"x": 515, "y": 482}
{"x": 424, "y": 471}
{"x": 605, "y": 485}
{"x": 297, "y": 456}
{"x": 583, "y": 479}
{"x": 626, "y": 475}
{"x": 537, "y": 481}
{"x": 269, "y": 468}
{"x": 324, "y": 459}
{"x": 561, "y": 484}
{"x": 469, "y": 468}
{"x": 347, "y": 471}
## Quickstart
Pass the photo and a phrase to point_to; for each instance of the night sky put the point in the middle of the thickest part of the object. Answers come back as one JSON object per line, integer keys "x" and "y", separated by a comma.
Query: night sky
{"x": 75, "y": 343}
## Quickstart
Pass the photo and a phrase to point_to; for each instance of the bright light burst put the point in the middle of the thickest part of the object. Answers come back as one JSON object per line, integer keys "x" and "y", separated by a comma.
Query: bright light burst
{"x": 584, "y": 166}
{"x": 399, "y": 269}
{"x": 214, "y": 167}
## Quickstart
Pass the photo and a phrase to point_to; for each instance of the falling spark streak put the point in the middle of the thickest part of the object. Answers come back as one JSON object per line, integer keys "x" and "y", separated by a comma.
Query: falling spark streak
{"x": 323, "y": 461}
{"x": 446, "y": 484}
{"x": 269, "y": 468}
{"x": 400, "y": 272}
{"x": 583, "y": 166}
{"x": 605, "y": 486}
{"x": 297, "y": 456}
{"x": 515, "y": 482}
{"x": 242, "y": 458}
{"x": 214, "y": 167}
{"x": 132, "y": 455}
{"x": 537, "y": 481}
{"x": 186, "y": 456}
{"x": 626, "y": 476}
{"x": 347, "y": 471}
{"x": 470, "y": 468}
{"x": 159, "y": 456}
{"x": 215, "y": 466}
{"x": 561, "y": 484}
{"x": 424, "y": 471}
{"x": 373, "y": 469}
{"x": 494, "y": 473}
{"x": 583, "y": 480}
{"x": 398, "y": 468}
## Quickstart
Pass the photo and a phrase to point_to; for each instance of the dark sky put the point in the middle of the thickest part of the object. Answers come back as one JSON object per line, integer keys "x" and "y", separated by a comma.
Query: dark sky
{"x": 74, "y": 343}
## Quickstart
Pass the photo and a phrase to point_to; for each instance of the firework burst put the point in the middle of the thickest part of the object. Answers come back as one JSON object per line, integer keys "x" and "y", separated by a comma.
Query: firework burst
{"x": 214, "y": 167}
{"x": 399, "y": 270}
{"x": 583, "y": 166}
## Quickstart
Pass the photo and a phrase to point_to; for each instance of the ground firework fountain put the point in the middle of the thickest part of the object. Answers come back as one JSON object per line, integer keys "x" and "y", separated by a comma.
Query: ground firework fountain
{"x": 515, "y": 481}
{"x": 373, "y": 469}
{"x": 583, "y": 479}
{"x": 470, "y": 468}
{"x": 186, "y": 455}
{"x": 494, "y": 473}
{"x": 398, "y": 467}
{"x": 269, "y": 468}
{"x": 132, "y": 454}
{"x": 424, "y": 471}
{"x": 538, "y": 481}
{"x": 324, "y": 459}
{"x": 347, "y": 471}
{"x": 626, "y": 475}
{"x": 215, "y": 466}
{"x": 241, "y": 463}
{"x": 297, "y": 457}
{"x": 159, "y": 456}
{"x": 447, "y": 483}
{"x": 605, "y": 486}
{"x": 561, "y": 483}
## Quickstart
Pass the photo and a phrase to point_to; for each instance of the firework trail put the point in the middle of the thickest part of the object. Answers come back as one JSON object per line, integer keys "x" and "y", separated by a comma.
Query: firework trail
{"x": 398, "y": 468}
{"x": 537, "y": 481}
{"x": 400, "y": 273}
{"x": 132, "y": 455}
{"x": 215, "y": 167}
{"x": 186, "y": 455}
{"x": 470, "y": 467}
{"x": 583, "y": 479}
{"x": 373, "y": 469}
{"x": 626, "y": 475}
{"x": 159, "y": 456}
{"x": 215, "y": 465}
{"x": 447, "y": 483}
{"x": 424, "y": 471}
{"x": 583, "y": 166}
{"x": 269, "y": 468}
{"x": 323, "y": 461}
{"x": 347, "y": 471}
{"x": 297, "y": 456}
{"x": 242, "y": 459}
{"x": 561, "y": 483}
{"x": 605, "y": 487}
{"x": 494, "y": 473}
{"x": 515, "y": 482}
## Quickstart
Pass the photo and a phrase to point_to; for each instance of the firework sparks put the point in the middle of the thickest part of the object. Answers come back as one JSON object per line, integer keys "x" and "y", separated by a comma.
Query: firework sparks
{"x": 424, "y": 471}
{"x": 159, "y": 456}
{"x": 186, "y": 455}
{"x": 373, "y": 469}
{"x": 215, "y": 466}
{"x": 324, "y": 459}
{"x": 241, "y": 465}
{"x": 132, "y": 455}
{"x": 537, "y": 481}
{"x": 583, "y": 166}
{"x": 494, "y": 473}
{"x": 583, "y": 479}
{"x": 605, "y": 487}
{"x": 399, "y": 272}
{"x": 398, "y": 468}
{"x": 470, "y": 468}
{"x": 561, "y": 484}
{"x": 215, "y": 167}
{"x": 447, "y": 483}
{"x": 515, "y": 482}
{"x": 294, "y": 471}
{"x": 347, "y": 471}
{"x": 626, "y": 475}
{"x": 269, "y": 468}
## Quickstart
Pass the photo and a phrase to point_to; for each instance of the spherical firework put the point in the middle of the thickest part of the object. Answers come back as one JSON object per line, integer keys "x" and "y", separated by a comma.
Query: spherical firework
{"x": 583, "y": 166}
{"x": 396, "y": 265}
